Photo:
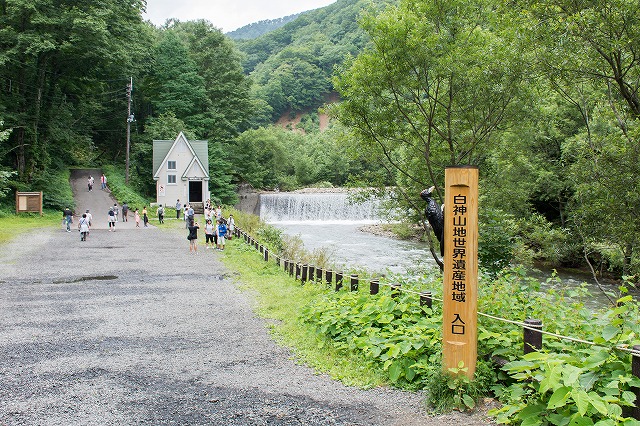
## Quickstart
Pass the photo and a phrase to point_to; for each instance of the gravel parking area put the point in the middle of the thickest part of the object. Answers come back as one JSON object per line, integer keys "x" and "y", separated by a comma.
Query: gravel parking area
{"x": 129, "y": 328}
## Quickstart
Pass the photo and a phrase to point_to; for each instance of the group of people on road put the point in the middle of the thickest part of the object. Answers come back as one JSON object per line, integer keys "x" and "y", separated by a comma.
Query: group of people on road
{"x": 84, "y": 224}
{"x": 91, "y": 181}
{"x": 217, "y": 229}
{"x": 215, "y": 234}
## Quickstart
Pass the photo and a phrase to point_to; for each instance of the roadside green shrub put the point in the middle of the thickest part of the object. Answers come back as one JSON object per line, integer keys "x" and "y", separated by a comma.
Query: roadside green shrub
{"x": 247, "y": 222}
{"x": 395, "y": 334}
{"x": 122, "y": 192}
{"x": 452, "y": 389}
{"x": 271, "y": 237}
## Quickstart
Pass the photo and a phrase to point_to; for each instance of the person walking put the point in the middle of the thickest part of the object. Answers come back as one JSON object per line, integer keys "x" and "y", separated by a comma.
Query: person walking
{"x": 83, "y": 227}
{"x": 136, "y": 216}
{"x": 160, "y": 214}
{"x": 67, "y": 218}
{"x": 112, "y": 220}
{"x": 193, "y": 238}
{"x": 178, "y": 208}
{"x": 89, "y": 217}
{"x": 145, "y": 217}
{"x": 90, "y": 183}
{"x": 116, "y": 210}
{"x": 232, "y": 226}
{"x": 103, "y": 182}
{"x": 125, "y": 212}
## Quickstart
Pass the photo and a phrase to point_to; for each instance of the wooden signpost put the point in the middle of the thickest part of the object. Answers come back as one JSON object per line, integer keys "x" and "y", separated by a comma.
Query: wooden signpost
{"x": 460, "y": 308}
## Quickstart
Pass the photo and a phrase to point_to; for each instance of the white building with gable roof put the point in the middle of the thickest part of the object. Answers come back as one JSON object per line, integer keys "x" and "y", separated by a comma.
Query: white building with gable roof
{"x": 181, "y": 171}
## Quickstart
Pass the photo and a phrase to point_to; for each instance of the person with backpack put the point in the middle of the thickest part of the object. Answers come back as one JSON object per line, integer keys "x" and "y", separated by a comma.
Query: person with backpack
{"x": 83, "y": 227}
{"x": 67, "y": 218}
{"x": 160, "y": 214}
{"x": 193, "y": 237}
{"x": 112, "y": 220}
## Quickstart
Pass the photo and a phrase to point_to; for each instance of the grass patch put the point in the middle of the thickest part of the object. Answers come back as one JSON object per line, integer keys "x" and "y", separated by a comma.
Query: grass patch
{"x": 281, "y": 299}
{"x": 12, "y": 225}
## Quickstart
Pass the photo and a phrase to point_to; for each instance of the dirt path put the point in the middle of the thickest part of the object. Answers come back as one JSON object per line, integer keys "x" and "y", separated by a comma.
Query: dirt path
{"x": 129, "y": 328}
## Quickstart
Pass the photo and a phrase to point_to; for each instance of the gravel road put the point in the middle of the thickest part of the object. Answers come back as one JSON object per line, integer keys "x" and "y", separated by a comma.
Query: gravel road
{"x": 128, "y": 328}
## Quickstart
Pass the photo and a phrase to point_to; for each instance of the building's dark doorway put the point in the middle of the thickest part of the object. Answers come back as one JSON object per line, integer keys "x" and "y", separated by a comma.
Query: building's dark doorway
{"x": 195, "y": 191}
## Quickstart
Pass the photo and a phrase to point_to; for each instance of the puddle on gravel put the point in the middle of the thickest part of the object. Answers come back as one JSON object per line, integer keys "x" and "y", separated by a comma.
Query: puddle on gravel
{"x": 88, "y": 278}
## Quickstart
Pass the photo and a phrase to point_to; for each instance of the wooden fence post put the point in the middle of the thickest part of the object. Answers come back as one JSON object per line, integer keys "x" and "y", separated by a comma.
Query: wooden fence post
{"x": 311, "y": 275}
{"x": 532, "y": 338}
{"x": 395, "y": 290}
{"x": 374, "y": 286}
{"x": 339, "y": 277}
{"x": 266, "y": 255}
{"x": 319, "y": 274}
{"x": 305, "y": 270}
{"x": 425, "y": 299}
{"x": 329, "y": 277}
{"x": 297, "y": 269}
{"x": 354, "y": 282}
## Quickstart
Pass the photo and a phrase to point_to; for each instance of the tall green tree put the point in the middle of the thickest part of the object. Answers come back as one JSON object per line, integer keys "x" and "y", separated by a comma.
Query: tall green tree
{"x": 178, "y": 88}
{"x": 590, "y": 54}
{"x": 63, "y": 65}
{"x": 218, "y": 62}
{"x": 435, "y": 89}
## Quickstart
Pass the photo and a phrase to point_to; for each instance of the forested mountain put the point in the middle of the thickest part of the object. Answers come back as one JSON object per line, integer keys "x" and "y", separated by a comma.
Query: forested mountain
{"x": 256, "y": 29}
{"x": 292, "y": 66}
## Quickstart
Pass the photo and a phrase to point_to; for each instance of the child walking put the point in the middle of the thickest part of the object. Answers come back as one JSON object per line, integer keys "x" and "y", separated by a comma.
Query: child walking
{"x": 136, "y": 215}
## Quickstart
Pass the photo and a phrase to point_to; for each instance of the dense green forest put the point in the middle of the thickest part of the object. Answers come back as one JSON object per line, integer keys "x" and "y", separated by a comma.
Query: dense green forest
{"x": 542, "y": 96}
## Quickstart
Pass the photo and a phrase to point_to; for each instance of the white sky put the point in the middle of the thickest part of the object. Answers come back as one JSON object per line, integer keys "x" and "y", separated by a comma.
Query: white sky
{"x": 227, "y": 15}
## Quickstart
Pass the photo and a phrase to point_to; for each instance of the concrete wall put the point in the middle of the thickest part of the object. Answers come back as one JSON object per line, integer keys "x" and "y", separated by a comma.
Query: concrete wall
{"x": 249, "y": 200}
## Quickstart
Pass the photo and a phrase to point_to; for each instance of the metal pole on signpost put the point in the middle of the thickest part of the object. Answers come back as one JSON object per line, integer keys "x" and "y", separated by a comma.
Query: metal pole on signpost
{"x": 460, "y": 307}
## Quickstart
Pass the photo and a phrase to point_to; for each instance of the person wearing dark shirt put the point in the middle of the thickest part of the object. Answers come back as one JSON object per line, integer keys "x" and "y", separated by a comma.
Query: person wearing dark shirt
{"x": 193, "y": 237}
{"x": 67, "y": 216}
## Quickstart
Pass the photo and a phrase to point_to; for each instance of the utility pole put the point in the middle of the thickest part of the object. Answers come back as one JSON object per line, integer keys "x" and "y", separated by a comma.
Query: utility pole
{"x": 129, "y": 121}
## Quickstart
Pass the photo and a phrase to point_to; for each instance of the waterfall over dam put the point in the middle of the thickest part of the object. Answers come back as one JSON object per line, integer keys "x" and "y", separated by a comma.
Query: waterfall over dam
{"x": 316, "y": 207}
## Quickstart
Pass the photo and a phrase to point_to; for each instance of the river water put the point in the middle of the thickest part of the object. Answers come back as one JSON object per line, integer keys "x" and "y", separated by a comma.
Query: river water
{"x": 329, "y": 221}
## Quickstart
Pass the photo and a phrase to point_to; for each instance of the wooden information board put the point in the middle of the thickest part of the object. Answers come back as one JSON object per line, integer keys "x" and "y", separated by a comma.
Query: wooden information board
{"x": 29, "y": 202}
{"x": 460, "y": 307}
